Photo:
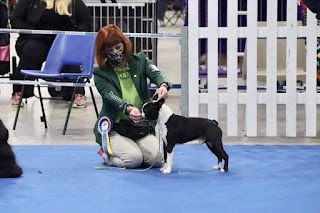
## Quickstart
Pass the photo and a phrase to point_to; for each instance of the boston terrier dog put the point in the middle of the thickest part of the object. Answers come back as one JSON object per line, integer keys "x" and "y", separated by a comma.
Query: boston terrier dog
{"x": 8, "y": 166}
{"x": 176, "y": 129}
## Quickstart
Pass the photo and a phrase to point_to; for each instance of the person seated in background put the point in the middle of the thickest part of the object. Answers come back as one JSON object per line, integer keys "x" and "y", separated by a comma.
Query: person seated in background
{"x": 161, "y": 10}
{"x": 222, "y": 22}
{"x": 64, "y": 15}
{"x": 121, "y": 79}
{"x": 314, "y": 6}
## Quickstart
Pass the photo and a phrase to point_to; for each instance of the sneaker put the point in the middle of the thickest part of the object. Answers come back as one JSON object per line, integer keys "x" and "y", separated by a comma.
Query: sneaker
{"x": 16, "y": 98}
{"x": 80, "y": 101}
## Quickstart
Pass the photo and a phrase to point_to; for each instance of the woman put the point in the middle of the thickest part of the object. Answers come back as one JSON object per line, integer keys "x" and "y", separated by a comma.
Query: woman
{"x": 66, "y": 15}
{"x": 121, "y": 79}
{"x": 314, "y": 6}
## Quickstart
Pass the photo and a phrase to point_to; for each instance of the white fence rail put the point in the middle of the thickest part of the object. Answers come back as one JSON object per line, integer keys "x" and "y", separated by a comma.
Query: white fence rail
{"x": 252, "y": 98}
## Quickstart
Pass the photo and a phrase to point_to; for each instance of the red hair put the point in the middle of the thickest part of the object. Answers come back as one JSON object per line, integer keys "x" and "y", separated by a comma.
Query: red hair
{"x": 107, "y": 37}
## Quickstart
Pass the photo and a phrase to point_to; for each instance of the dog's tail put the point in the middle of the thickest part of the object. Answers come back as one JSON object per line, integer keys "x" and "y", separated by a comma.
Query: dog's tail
{"x": 215, "y": 122}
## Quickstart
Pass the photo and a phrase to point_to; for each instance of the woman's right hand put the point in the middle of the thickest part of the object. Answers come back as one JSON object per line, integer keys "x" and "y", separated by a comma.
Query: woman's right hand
{"x": 135, "y": 114}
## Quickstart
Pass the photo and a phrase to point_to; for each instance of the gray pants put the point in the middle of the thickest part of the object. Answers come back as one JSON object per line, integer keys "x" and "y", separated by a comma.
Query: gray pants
{"x": 133, "y": 154}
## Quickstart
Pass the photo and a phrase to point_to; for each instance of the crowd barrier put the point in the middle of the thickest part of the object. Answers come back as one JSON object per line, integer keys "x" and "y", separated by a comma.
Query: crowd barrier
{"x": 131, "y": 16}
{"x": 70, "y": 84}
{"x": 52, "y": 32}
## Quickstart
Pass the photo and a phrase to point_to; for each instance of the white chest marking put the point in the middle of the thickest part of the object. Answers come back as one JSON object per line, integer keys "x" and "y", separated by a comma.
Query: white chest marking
{"x": 164, "y": 114}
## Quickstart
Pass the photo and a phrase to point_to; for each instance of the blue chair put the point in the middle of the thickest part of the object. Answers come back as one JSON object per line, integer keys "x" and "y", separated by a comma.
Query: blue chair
{"x": 65, "y": 50}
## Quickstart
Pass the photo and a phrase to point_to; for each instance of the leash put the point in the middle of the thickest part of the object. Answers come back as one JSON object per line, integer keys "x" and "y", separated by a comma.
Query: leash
{"x": 104, "y": 152}
{"x": 146, "y": 169}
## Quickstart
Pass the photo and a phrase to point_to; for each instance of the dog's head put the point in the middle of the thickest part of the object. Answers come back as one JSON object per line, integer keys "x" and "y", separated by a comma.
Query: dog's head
{"x": 4, "y": 134}
{"x": 150, "y": 110}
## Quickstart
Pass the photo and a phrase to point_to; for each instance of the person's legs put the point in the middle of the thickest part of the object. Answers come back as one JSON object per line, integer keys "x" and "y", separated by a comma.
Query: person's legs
{"x": 32, "y": 54}
{"x": 126, "y": 153}
{"x": 67, "y": 92}
{"x": 161, "y": 10}
{"x": 80, "y": 99}
{"x": 150, "y": 148}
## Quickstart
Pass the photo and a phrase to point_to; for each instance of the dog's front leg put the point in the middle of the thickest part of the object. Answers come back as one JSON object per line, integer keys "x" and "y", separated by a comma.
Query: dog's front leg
{"x": 166, "y": 163}
{"x": 169, "y": 162}
{"x": 168, "y": 166}
{"x": 165, "y": 157}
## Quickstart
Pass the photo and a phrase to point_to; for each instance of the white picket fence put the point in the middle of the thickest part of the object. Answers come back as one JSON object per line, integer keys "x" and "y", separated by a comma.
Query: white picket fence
{"x": 251, "y": 97}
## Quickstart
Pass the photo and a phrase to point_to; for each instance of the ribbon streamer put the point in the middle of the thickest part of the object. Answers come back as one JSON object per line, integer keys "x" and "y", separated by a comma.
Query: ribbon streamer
{"x": 105, "y": 127}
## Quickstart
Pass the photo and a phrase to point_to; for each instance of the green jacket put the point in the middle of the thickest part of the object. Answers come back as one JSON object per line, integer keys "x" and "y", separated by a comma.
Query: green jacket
{"x": 108, "y": 85}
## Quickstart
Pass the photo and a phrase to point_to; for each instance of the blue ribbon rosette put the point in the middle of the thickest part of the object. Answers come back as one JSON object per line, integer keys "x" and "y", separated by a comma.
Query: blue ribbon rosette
{"x": 104, "y": 126}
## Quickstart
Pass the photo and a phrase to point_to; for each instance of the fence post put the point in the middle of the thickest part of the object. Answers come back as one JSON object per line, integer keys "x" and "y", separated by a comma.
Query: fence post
{"x": 271, "y": 78}
{"x": 232, "y": 80}
{"x": 311, "y": 93}
{"x": 291, "y": 70}
{"x": 212, "y": 64}
{"x": 193, "y": 58}
{"x": 184, "y": 72}
{"x": 251, "y": 45}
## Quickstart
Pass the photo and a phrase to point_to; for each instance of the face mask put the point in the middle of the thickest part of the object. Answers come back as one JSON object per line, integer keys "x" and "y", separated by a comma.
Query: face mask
{"x": 115, "y": 62}
{"x": 115, "y": 54}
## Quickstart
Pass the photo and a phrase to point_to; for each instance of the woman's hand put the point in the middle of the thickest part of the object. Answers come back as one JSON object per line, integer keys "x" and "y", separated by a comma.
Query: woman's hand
{"x": 134, "y": 114}
{"x": 163, "y": 91}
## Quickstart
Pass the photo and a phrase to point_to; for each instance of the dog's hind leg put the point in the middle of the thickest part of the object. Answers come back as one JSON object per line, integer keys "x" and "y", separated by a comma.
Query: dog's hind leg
{"x": 216, "y": 143}
{"x": 224, "y": 155}
{"x": 216, "y": 153}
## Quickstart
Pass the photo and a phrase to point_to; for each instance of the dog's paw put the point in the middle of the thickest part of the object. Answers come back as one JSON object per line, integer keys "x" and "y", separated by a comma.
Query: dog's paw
{"x": 166, "y": 171}
{"x": 222, "y": 170}
{"x": 164, "y": 167}
{"x": 216, "y": 167}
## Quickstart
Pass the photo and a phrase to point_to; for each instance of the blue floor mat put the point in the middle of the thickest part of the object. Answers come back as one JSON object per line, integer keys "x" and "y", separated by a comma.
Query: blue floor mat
{"x": 260, "y": 179}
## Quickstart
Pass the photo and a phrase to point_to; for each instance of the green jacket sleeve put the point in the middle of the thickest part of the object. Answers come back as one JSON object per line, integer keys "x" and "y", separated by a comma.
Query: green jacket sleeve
{"x": 109, "y": 91}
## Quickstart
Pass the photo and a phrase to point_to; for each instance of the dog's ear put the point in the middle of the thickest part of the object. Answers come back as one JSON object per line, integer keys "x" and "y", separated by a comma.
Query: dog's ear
{"x": 216, "y": 122}
{"x": 160, "y": 102}
{"x": 155, "y": 97}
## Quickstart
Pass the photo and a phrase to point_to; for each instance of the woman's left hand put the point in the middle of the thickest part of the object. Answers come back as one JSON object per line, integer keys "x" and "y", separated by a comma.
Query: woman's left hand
{"x": 163, "y": 91}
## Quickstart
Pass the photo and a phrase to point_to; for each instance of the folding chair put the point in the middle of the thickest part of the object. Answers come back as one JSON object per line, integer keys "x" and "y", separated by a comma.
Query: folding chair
{"x": 65, "y": 50}
{"x": 178, "y": 9}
